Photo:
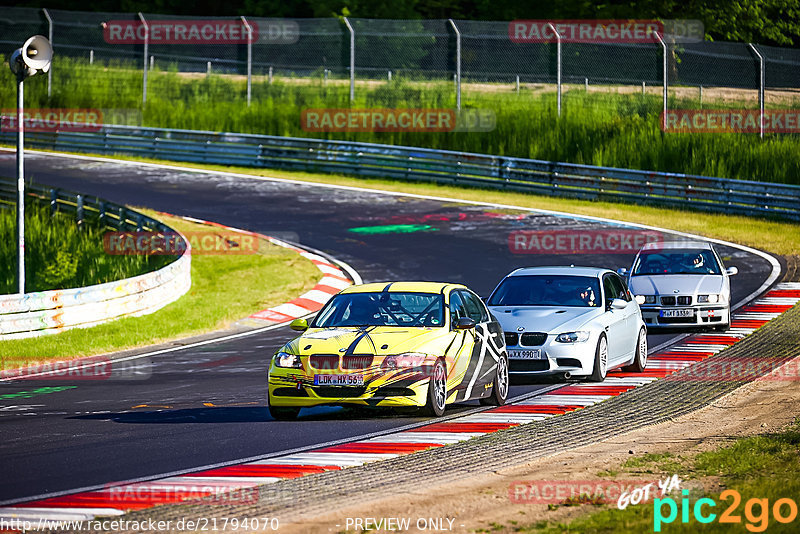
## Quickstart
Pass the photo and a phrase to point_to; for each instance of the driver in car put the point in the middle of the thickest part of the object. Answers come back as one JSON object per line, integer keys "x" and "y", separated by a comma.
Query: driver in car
{"x": 587, "y": 296}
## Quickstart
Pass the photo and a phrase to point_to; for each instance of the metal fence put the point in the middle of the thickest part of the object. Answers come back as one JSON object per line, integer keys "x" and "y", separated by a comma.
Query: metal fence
{"x": 369, "y": 49}
{"x": 458, "y": 168}
{"x": 50, "y": 312}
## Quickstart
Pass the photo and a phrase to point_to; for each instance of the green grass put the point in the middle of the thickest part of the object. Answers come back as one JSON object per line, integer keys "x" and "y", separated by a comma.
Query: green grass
{"x": 59, "y": 255}
{"x": 237, "y": 285}
{"x": 759, "y": 467}
{"x": 596, "y": 128}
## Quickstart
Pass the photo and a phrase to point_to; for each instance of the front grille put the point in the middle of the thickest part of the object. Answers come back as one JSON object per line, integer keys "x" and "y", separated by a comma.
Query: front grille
{"x": 357, "y": 361}
{"x": 290, "y": 392}
{"x": 677, "y": 320}
{"x": 394, "y": 392}
{"x": 340, "y": 391}
{"x": 324, "y": 361}
{"x": 528, "y": 365}
{"x": 668, "y": 301}
{"x": 533, "y": 339}
{"x": 512, "y": 338}
{"x": 684, "y": 301}
{"x": 568, "y": 362}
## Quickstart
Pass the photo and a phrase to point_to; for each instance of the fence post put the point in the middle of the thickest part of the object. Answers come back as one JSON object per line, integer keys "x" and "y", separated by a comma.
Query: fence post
{"x": 666, "y": 81}
{"x": 249, "y": 57}
{"x": 761, "y": 80}
{"x": 352, "y": 59}
{"x": 79, "y": 212}
{"x": 458, "y": 63}
{"x": 558, "y": 60}
{"x": 144, "y": 66}
{"x": 53, "y": 202}
{"x": 50, "y": 38}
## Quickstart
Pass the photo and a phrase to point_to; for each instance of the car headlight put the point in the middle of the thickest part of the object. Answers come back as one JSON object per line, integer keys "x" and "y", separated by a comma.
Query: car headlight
{"x": 284, "y": 359}
{"x": 646, "y": 299}
{"x": 573, "y": 337}
{"x": 404, "y": 360}
{"x": 710, "y": 299}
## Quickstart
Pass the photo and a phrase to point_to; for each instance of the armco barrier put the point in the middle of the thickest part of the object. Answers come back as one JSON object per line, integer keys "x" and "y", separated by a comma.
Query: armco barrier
{"x": 48, "y": 312}
{"x": 721, "y": 195}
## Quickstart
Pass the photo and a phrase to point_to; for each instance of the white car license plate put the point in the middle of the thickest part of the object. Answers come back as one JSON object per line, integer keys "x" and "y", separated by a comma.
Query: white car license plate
{"x": 533, "y": 354}
{"x": 338, "y": 380}
{"x": 685, "y": 312}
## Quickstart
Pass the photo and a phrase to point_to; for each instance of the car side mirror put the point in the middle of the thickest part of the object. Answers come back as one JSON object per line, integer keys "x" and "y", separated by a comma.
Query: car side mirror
{"x": 465, "y": 323}
{"x": 618, "y": 304}
{"x": 301, "y": 325}
{"x": 622, "y": 271}
{"x": 732, "y": 271}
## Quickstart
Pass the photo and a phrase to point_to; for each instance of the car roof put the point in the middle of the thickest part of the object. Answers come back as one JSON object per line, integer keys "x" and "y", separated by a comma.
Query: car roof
{"x": 701, "y": 245}
{"x": 569, "y": 270}
{"x": 403, "y": 287}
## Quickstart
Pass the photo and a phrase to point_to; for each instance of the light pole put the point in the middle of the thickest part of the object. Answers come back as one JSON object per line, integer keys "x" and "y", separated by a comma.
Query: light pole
{"x": 31, "y": 59}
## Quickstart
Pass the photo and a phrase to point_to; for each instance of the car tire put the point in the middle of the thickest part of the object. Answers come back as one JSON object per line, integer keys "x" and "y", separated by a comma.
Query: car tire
{"x": 500, "y": 384}
{"x": 284, "y": 413}
{"x": 437, "y": 390}
{"x": 600, "y": 360}
{"x": 640, "y": 359}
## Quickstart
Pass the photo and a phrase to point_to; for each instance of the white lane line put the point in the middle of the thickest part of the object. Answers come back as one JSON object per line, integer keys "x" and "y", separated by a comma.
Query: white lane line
{"x": 65, "y": 514}
{"x": 567, "y": 400}
{"x": 424, "y": 437}
{"x": 512, "y": 417}
{"x": 244, "y": 481}
{"x": 317, "y": 296}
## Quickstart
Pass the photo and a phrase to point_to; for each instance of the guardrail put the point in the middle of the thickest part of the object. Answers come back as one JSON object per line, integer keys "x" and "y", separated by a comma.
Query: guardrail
{"x": 49, "y": 312}
{"x": 722, "y": 195}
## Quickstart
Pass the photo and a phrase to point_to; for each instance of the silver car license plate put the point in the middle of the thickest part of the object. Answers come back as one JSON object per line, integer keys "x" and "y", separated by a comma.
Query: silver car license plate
{"x": 683, "y": 312}
{"x": 532, "y": 354}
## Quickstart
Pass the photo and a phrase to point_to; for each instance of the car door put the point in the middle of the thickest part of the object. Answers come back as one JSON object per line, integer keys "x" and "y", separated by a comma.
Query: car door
{"x": 489, "y": 342}
{"x": 616, "y": 322}
{"x": 459, "y": 353}
{"x": 631, "y": 314}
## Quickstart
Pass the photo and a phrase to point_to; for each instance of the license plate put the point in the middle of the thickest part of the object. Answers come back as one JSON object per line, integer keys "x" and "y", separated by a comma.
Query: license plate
{"x": 338, "y": 380}
{"x": 533, "y": 354}
{"x": 677, "y": 313}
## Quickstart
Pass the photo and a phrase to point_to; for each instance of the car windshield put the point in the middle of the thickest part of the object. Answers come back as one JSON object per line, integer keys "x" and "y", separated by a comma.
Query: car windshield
{"x": 547, "y": 290}
{"x": 382, "y": 309}
{"x": 676, "y": 261}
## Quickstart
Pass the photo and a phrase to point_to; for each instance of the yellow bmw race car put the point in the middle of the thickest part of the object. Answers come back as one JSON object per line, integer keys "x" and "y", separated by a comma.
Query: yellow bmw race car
{"x": 399, "y": 344}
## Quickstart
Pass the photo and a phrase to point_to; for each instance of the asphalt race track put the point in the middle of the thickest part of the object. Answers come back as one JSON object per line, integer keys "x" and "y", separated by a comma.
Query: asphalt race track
{"x": 205, "y": 405}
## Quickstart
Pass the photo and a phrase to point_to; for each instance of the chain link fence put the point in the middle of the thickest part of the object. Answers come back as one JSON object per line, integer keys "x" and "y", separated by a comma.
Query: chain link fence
{"x": 319, "y": 51}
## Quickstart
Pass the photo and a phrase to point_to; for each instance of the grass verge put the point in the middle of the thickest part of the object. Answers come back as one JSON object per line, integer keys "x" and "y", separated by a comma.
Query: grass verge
{"x": 759, "y": 471}
{"x": 59, "y": 255}
{"x": 225, "y": 288}
{"x": 594, "y": 128}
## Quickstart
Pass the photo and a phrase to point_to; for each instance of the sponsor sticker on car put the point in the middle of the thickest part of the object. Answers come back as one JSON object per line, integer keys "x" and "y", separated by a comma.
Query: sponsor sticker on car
{"x": 532, "y": 354}
{"x": 338, "y": 380}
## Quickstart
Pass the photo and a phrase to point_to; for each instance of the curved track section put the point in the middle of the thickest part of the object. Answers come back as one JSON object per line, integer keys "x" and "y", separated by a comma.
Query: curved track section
{"x": 204, "y": 405}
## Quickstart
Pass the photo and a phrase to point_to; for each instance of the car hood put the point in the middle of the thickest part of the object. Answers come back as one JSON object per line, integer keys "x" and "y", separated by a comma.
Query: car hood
{"x": 380, "y": 340}
{"x": 549, "y": 319}
{"x": 676, "y": 284}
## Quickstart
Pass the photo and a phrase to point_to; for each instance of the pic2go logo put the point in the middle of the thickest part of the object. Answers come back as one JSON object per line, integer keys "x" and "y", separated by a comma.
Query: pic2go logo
{"x": 756, "y": 511}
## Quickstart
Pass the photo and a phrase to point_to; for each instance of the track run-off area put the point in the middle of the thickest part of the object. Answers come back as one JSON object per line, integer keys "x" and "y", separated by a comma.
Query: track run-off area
{"x": 193, "y": 422}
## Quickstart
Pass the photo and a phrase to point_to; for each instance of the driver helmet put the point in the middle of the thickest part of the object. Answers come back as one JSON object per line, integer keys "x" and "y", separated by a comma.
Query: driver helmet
{"x": 587, "y": 295}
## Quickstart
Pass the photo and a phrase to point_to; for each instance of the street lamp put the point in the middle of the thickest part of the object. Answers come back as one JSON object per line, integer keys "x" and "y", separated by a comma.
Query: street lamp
{"x": 29, "y": 60}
